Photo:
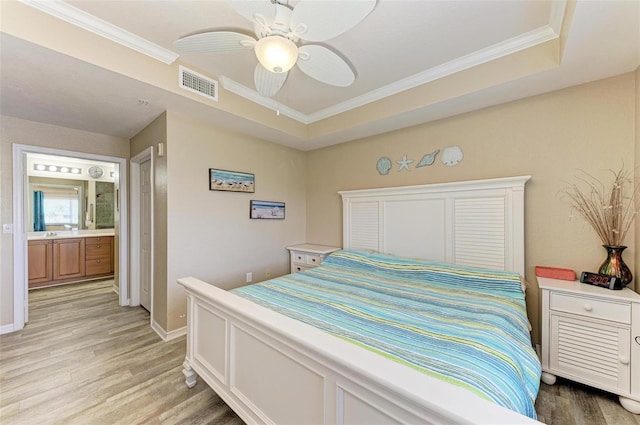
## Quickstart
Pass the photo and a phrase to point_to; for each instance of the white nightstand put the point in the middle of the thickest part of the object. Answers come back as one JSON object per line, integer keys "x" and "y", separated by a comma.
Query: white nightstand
{"x": 307, "y": 256}
{"x": 592, "y": 335}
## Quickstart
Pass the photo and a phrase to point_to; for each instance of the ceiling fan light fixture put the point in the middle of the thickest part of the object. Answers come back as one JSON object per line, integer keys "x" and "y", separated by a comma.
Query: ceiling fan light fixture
{"x": 277, "y": 54}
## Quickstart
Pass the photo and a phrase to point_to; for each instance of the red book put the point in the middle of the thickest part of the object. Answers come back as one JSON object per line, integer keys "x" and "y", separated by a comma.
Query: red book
{"x": 555, "y": 273}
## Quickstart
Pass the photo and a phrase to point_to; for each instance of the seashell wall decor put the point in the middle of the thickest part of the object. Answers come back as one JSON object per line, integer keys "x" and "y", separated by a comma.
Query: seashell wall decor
{"x": 451, "y": 156}
{"x": 428, "y": 159}
{"x": 404, "y": 163}
{"x": 383, "y": 166}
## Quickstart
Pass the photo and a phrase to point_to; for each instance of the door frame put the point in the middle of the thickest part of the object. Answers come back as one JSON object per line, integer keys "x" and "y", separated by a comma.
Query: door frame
{"x": 145, "y": 155}
{"x": 20, "y": 244}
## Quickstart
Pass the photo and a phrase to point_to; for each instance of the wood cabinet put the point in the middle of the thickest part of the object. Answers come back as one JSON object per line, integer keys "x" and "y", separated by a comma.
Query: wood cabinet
{"x": 66, "y": 260}
{"x": 307, "y": 256}
{"x": 591, "y": 335}
{"x": 40, "y": 254}
{"x": 98, "y": 256}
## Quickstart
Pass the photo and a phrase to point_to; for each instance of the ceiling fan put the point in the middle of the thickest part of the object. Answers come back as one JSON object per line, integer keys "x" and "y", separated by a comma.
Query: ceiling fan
{"x": 279, "y": 29}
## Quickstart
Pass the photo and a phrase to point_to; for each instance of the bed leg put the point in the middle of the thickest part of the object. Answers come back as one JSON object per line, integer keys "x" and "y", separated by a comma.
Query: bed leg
{"x": 548, "y": 378}
{"x": 189, "y": 374}
{"x": 632, "y": 406}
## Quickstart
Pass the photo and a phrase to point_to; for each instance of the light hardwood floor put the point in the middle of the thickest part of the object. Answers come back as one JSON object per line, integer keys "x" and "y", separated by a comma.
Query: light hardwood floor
{"x": 568, "y": 403}
{"x": 83, "y": 360}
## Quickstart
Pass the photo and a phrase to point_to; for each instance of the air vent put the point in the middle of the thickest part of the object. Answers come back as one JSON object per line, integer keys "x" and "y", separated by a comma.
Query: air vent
{"x": 194, "y": 82}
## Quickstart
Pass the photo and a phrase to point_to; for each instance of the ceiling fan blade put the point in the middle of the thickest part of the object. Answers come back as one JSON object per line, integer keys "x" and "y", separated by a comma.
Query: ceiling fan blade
{"x": 262, "y": 11}
{"x": 215, "y": 42}
{"x": 320, "y": 20}
{"x": 325, "y": 66}
{"x": 268, "y": 83}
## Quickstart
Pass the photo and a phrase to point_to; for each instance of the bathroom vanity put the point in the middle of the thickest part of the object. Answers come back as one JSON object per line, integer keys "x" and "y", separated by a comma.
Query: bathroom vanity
{"x": 65, "y": 257}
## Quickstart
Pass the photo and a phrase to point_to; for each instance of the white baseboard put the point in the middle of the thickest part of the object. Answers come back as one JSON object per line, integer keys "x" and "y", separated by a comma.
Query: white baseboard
{"x": 177, "y": 333}
{"x": 168, "y": 336}
{"x": 5, "y": 329}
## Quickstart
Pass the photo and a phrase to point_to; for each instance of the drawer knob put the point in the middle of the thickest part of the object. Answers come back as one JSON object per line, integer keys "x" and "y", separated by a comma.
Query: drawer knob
{"x": 98, "y": 246}
{"x": 588, "y": 307}
{"x": 313, "y": 260}
{"x": 624, "y": 360}
{"x": 99, "y": 261}
{"x": 298, "y": 268}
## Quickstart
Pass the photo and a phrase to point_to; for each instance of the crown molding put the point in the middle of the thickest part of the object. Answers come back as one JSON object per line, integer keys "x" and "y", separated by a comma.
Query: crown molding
{"x": 252, "y": 95}
{"x": 505, "y": 48}
{"x": 82, "y": 19}
{"x": 75, "y": 16}
{"x": 496, "y": 51}
{"x": 556, "y": 18}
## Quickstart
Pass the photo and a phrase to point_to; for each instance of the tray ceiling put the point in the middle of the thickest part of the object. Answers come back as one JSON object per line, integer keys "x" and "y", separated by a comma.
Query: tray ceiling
{"x": 415, "y": 61}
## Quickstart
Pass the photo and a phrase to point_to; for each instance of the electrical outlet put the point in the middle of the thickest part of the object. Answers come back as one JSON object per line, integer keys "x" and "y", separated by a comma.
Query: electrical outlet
{"x": 268, "y": 273}
{"x": 7, "y": 228}
{"x": 249, "y": 277}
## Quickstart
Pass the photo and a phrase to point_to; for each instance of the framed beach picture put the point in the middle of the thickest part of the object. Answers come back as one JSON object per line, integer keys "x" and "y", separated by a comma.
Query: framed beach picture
{"x": 266, "y": 210}
{"x": 231, "y": 181}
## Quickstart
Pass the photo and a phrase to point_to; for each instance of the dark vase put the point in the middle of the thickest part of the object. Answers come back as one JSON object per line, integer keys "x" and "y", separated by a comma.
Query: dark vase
{"x": 614, "y": 265}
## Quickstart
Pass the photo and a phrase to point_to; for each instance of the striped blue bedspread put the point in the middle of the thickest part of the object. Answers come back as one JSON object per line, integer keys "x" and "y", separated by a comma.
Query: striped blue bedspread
{"x": 466, "y": 326}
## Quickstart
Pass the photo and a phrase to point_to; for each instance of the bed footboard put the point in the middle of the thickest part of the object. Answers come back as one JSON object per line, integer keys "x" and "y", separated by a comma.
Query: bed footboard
{"x": 275, "y": 370}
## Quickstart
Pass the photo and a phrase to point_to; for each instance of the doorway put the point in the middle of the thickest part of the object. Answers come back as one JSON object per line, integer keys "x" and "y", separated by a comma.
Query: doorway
{"x": 21, "y": 223}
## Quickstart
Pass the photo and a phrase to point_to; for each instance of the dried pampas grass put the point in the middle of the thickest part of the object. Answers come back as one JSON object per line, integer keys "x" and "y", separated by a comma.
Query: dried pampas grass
{"x": 611, "y": 209}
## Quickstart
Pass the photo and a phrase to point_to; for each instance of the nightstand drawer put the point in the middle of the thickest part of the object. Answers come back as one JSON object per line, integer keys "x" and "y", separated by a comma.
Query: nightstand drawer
{"x": 310, "y": 259}
{"x": 300, "y": 269}
{"x": 591, "y": 307}
{"x": 307, "y": 256}
{"x": 313, "y": 260}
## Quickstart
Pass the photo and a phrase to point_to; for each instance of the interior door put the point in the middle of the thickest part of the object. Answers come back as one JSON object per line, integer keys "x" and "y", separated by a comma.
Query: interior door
{"x": 145, "y": 234}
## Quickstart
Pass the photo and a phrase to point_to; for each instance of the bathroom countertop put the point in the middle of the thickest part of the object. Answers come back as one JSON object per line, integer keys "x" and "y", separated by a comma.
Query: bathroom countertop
{"x": 63, "y": 234}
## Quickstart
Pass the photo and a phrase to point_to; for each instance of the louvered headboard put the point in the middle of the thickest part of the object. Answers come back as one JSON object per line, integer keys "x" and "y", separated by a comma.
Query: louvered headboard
{"x": 477, "y": 223}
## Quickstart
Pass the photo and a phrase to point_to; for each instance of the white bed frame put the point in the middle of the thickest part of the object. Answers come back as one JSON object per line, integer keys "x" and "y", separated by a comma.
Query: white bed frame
{"x": 275, "y": 370}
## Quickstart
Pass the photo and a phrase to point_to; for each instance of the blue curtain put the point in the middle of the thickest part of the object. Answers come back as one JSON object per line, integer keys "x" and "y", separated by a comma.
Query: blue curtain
{"x": 38, "y": 211}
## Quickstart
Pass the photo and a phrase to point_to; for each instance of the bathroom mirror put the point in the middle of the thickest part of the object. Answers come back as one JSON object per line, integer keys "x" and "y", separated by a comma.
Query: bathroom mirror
{"x": 61, "y": 204}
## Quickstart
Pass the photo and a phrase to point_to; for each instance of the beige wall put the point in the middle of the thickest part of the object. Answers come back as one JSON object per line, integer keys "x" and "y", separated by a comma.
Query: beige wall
{"x": 209, "y": 234}
{"x": 548, "y": 137}
{"x": 155, "y": 133}
{"x": 197, "y": 232}
{"x": 13, "y": 130}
